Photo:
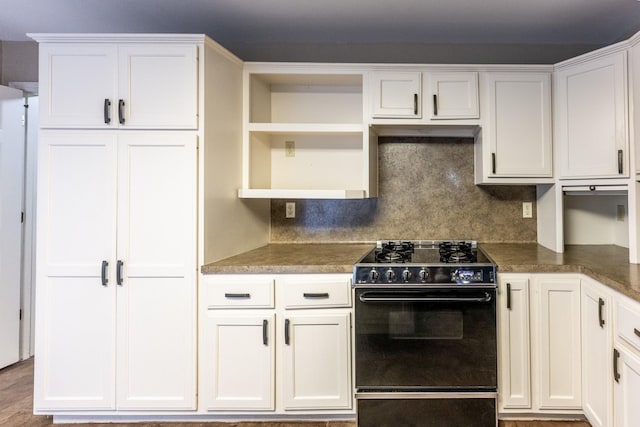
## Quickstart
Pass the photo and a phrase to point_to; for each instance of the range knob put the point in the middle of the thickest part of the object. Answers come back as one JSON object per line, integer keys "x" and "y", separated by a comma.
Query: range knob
{"x": 373, "y": 276}
{"x": 424, "y": 275}
{"x": 390, "y": 275}
{"x": 406, "y": 275}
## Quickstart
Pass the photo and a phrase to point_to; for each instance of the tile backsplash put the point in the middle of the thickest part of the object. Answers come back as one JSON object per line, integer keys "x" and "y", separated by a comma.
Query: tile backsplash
{"x": 426, "y": 191}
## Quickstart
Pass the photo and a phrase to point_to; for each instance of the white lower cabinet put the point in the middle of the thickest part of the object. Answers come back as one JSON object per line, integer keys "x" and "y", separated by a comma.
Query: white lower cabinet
{"x": 597, "y": 340}
{"x": 316, "y": 361}
{"x": 627, "y": 387}
{"x": 626, "y": 363}
{"x": 238, "y": 360}
{"x": 539, "y": 343}
{"x": 276, "y": 355}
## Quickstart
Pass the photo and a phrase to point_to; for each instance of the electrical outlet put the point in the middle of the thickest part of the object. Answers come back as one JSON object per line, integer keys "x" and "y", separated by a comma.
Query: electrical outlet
{"x": 527, "y": 210}
{"x": 620, "y": 213}
{"x": 290, "y": 148}
{"x": 290, "y": 210}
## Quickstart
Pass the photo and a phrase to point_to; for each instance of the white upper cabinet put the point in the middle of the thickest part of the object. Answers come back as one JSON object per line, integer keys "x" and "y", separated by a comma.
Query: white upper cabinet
{"x": 591, "y": 117}
{"x": 396, "y": 94}
{"x": 454, "y": 95}
{"x": 108, "y": 85}
{"x": 634, "y": 81}
{"x": 516, "y": 131}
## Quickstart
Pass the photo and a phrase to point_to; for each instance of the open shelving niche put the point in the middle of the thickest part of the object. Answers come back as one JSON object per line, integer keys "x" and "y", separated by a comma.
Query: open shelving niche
{"x": 304, "y": 134}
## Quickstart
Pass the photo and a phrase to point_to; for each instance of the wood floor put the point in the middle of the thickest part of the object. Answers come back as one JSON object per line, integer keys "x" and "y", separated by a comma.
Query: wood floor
{"x": 16, "y": 407}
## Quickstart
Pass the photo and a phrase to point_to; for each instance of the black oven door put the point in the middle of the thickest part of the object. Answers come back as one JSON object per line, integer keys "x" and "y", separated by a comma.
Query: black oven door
{"x": 425, "y": 339}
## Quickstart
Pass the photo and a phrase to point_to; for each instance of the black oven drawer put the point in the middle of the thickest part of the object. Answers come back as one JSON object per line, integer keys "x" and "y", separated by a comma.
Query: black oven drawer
{"x": 427, "y": 412}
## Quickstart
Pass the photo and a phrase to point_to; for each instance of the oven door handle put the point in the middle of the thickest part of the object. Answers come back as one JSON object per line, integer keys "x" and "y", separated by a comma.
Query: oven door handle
{"x": 382, "y": 297}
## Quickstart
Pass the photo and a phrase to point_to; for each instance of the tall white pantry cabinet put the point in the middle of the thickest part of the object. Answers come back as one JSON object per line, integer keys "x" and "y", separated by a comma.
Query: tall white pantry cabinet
{"x": 122, "y": 196}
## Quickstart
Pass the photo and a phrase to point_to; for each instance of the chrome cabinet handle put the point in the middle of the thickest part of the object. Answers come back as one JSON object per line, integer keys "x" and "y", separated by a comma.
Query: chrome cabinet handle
{"x": 106, "y": 112}
{"x": 237, "y": 296}
{"x": 265, "y": 332}
{"x": 435, "y": 104}
{"x": 616, "y": 374}
{"x": 508, "y": 296}
{"x": 103, "y": 273}
{"x": 620, "y": 162}
{"x": 119, "y": 266}
{"x": 311, "y": 295}
{"x": 600, "y": 317}
{"x": 121, "y": 111}
{"x": 287, "y": 338}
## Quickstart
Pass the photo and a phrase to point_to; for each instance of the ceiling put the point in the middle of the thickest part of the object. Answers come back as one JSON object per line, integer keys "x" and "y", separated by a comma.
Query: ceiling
{"x": 360, "y": 30}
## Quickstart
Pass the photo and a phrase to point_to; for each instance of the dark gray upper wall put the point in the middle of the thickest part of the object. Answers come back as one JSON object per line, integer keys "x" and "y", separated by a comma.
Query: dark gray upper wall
{"x": 18, "y": 62}
{"x": 418, "y": 53}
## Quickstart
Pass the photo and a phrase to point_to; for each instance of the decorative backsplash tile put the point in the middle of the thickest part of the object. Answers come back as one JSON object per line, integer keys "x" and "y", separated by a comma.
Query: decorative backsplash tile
{"x": 426, "y": 191}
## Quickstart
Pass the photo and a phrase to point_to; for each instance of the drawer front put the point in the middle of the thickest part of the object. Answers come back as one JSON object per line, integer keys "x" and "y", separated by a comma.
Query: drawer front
{"x": 628, "y": 323}
{"x": 314, "y": 291}
{"x": 238, "y": 292}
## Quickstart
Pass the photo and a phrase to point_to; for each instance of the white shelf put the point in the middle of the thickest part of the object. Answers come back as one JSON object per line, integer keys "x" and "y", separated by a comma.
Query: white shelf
{"x": 306, "y": 128}
{"x": 304, "y": 134}
{"x": 277, "y": 193}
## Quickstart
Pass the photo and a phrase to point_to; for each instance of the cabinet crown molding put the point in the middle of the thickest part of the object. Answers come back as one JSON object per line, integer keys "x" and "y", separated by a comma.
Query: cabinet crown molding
{"x": 116, "y": 38}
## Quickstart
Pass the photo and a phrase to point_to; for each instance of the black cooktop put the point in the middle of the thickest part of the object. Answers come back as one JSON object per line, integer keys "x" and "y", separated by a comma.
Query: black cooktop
{"x": 425, "y": 262}
{"x": 426, "y": 252}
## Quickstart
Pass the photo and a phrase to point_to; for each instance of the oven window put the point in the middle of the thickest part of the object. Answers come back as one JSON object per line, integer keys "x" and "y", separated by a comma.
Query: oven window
{"x": 409, "y": 324}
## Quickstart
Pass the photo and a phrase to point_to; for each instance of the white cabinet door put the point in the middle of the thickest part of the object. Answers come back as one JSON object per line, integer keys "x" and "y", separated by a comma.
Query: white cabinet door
{"x": 316, "y": 361}
{"x": 238, "y": 360}
{"x": 591, "y": 108}
{"x": 514, "y": 343}
{"x": 158, "y": 85}
{"x": 103, "y": 85}
{"x": 76, "y": 312}
{"x": 157, "y": 248}
{"x": 454, "y": 95}
{"x": 597, "y": 393}
{"x": 517, "y": 128}
{"x": 78, "y": 85}
{"x": 556, "y": 337}
{"x": 634, "y": 91}
{"x": 396, "y": 94}
{"x": 627, "y": 388}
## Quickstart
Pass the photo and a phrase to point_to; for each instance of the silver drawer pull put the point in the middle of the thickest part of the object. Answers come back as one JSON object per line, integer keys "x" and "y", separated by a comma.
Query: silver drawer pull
{"x": 237, "y": 296}
{"x": 319, "y": 295}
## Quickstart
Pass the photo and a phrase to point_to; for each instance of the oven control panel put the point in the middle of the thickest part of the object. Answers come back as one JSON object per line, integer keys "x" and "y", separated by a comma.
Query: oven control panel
{"x": 411, "y": 274}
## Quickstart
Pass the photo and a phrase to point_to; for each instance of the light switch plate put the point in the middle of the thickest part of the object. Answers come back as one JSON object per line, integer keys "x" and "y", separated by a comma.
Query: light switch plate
{"x": 527, "y": 210}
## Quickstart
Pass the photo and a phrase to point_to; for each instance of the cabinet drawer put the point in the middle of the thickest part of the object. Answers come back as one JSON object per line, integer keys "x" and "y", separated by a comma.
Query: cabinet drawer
{"x": 237, "y": 292}
{"x": 628, "y": 323}
{"x": 309, "y": 292}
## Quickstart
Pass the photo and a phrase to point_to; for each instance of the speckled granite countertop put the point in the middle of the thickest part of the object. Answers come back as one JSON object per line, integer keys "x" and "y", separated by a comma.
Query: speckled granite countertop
{"x": 293, "y": 258}
{"x": 607, "y": 264}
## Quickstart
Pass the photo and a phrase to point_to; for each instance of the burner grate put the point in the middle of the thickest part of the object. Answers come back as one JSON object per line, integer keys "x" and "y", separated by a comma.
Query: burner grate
{"x": 457, "y": 252}
{"x": 396, "y": 252}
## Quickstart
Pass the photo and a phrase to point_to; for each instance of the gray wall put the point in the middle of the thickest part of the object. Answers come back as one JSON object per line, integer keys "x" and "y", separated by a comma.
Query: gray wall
{"x": 426, "y": 192}
{"x": 18, "y": 62}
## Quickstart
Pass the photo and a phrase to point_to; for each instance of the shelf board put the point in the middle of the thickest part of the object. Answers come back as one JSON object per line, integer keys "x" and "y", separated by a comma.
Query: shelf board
{"x": 307, "y": 128}
{"x": 279, "y": 193}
